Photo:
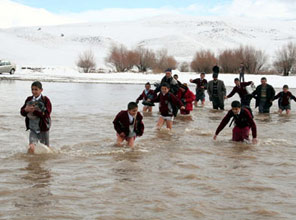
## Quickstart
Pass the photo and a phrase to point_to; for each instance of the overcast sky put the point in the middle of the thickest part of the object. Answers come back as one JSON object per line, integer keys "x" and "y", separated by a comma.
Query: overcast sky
{"x": 48, "y": 12}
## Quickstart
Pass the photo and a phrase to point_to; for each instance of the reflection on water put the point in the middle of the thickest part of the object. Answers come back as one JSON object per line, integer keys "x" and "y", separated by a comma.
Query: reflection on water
{"x": 178, "y": 174}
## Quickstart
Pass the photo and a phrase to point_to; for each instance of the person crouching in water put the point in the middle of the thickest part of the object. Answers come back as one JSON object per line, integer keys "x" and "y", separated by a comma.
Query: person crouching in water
{"x": 148, "y": 93}
{"x": 128, "y": 125}
{"x": 186, "y": 97}
{"x": 168, "y": 104}
{"x": 243, "y": 121}
{"x": 285, "y": 100}
{"x": 37, "y": 110}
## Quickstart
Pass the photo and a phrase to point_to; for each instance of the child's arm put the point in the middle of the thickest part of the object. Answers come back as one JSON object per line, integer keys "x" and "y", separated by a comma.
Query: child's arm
{"x": 140, "y": 125}
{"x": 277, "y": 96}
{"x": 231, "y": 94}
{"x": 117, "y": 124}
{"x": 223, "y": 123}
{"x": 139, "y": 98}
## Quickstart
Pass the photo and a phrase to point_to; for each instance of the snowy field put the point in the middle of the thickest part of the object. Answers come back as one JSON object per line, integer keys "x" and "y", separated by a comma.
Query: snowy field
{"x": 72, "y": 75}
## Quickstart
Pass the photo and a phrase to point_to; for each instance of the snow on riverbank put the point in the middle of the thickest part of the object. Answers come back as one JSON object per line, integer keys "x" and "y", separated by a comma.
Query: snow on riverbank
{"x": 72, "y": 75}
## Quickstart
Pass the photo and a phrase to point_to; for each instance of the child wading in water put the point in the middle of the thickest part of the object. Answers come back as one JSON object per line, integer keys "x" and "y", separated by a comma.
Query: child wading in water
{"x": 243, "y": 121}
{"x": 37, "y": 110}
{"x": 148, "y": 93}
{"x": 167, "y": 106}
{"x": 201, "y": 86}
{"x": 128, "y": 125}
{"x": 285, "y": 100}
{"x": 186, "y": 97}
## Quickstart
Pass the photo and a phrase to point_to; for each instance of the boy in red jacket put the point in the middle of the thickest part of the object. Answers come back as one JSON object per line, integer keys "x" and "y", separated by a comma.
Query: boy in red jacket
{"x": 37, "y": 110}
{"x": 285, "y": 100}
{"x": 243, "y": 121}
{"x": 128, "y": 125}
{"x": 148, "y": 93}
{"x": 187, "y": 97}
{"x": 167, "y": 103}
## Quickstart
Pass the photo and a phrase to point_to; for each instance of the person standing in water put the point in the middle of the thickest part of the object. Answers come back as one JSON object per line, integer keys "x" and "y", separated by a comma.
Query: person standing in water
{"x": 243, "y": 121}
{"x": 148, "y": 93}
{"x": 285, "y": 97}
{"x": 264, "y": 95}
{"x": 217, "y": 91}
{"x": 37, "y": 110}
{"x": 201, "y": 86}
{"x": 128, "y": 125}
{"x": 240, "y": 89}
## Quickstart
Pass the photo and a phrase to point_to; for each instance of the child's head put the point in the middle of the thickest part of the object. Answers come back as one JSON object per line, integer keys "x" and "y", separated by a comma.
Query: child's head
{"x": 176, "y": 77}
{"x": 285, "y": 88}
{"x": 132, "y": 108}
{"x": 236, "y": 107}
{"x": 184, "y": 87}
{"x": 165, "y": 88}
{"x": 202, "y": 75}
{"x": 147, "y": 86}
{"x": 236, "y": 81}
{"x": 36, "y": 88}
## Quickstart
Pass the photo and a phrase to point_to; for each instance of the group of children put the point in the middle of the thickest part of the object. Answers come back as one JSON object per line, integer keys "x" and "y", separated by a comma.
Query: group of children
{"x": 171, "y": 95}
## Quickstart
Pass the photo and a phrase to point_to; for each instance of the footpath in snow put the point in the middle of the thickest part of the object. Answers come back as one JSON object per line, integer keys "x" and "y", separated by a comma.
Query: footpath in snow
{"x": 72, "y": 75}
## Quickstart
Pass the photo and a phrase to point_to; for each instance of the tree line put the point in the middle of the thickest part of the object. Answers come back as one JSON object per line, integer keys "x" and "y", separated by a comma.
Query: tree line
{"x": 122, "y": 59}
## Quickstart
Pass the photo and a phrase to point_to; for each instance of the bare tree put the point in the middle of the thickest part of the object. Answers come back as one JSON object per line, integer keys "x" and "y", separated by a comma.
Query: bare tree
{"x": 285, "y": 59}
{"x": 229, "y": 61}
{"x": 117, "y": 58}
{"x": 146, "y": 59}
{"x": 164, "y": 61}
{"x": 184, "y": 67}
{"x": 86, "y": 61}
{"x": 203, "y": 61}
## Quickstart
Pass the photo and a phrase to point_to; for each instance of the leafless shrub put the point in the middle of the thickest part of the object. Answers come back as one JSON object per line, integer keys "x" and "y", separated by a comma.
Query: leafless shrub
{"x": 164, "y": 61}
{"x": 285, "y": 59}
{"x": 203, "y": 61}
{"x": 146, "y": 59}
{"x": 86, "y": 61}
{"x": 184, "y": 67}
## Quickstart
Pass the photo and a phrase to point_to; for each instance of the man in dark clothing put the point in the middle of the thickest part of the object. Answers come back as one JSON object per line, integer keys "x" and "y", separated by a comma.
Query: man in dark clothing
{"x": 217, "y": 91}
{"x": 216, "y": 69}
{"x": 169, "y": 80}
{"x": 243, "y": 121}
{"x": 242, "y": 72}
{"x": 264, "y": 95}
{"x": 240, "y": 89}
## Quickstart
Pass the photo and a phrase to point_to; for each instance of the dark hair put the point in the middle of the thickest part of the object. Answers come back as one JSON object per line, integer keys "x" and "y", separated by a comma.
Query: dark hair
{"x": 285, "y": 87}
{"x": 37, "y": 84}
{"x": 132, "y": 105}
{"x": 203, "y": 73}
{"x": 236, "y": 79}
{"x": 215, "y": 75}
{"x": 236, "y": 104}
{"x": 263, "y": 78}
{"x": 168, "y": 70}
{"x": 148, "y": 83}
{"x": 176, "y": 75}
{"x": 166, "y": 85}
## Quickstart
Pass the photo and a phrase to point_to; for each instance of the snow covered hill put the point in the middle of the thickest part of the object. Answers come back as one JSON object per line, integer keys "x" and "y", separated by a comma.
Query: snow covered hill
{"x": 181, "y": 35}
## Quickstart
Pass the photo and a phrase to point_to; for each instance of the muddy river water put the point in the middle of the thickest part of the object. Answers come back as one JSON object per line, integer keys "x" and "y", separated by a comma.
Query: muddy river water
{"x": 179, "y": 175}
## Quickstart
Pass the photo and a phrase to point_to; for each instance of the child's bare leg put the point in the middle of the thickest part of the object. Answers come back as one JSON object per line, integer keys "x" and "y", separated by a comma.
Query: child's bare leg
{"x": 203, "y": 103}
{"x": 280, "y": 111}
{"x": 131, "y": 142}
{"x": 145, "y": 108}
{"x": 119, "y": 141}
{"x": 31, "y": 149}
{"x": 169, "y": 124}
{"x": 288, "y": 111}
{"x": 150, "y": 109}
{"x": 195, "y": 103}
{"x": 160, "y": 123}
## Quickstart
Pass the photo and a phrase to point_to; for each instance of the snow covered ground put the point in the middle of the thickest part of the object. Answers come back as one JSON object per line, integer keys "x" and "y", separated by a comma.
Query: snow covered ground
{"x": 64, "y": 74}
{"x": 181, "y": 35}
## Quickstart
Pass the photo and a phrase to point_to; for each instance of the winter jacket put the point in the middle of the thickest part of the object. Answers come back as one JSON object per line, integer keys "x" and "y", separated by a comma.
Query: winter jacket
{"x": 186, "y": 98}
{"x": 270, "y": 92}
{"x": 221, "y": 90}
{"x": 121, "y": 123}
